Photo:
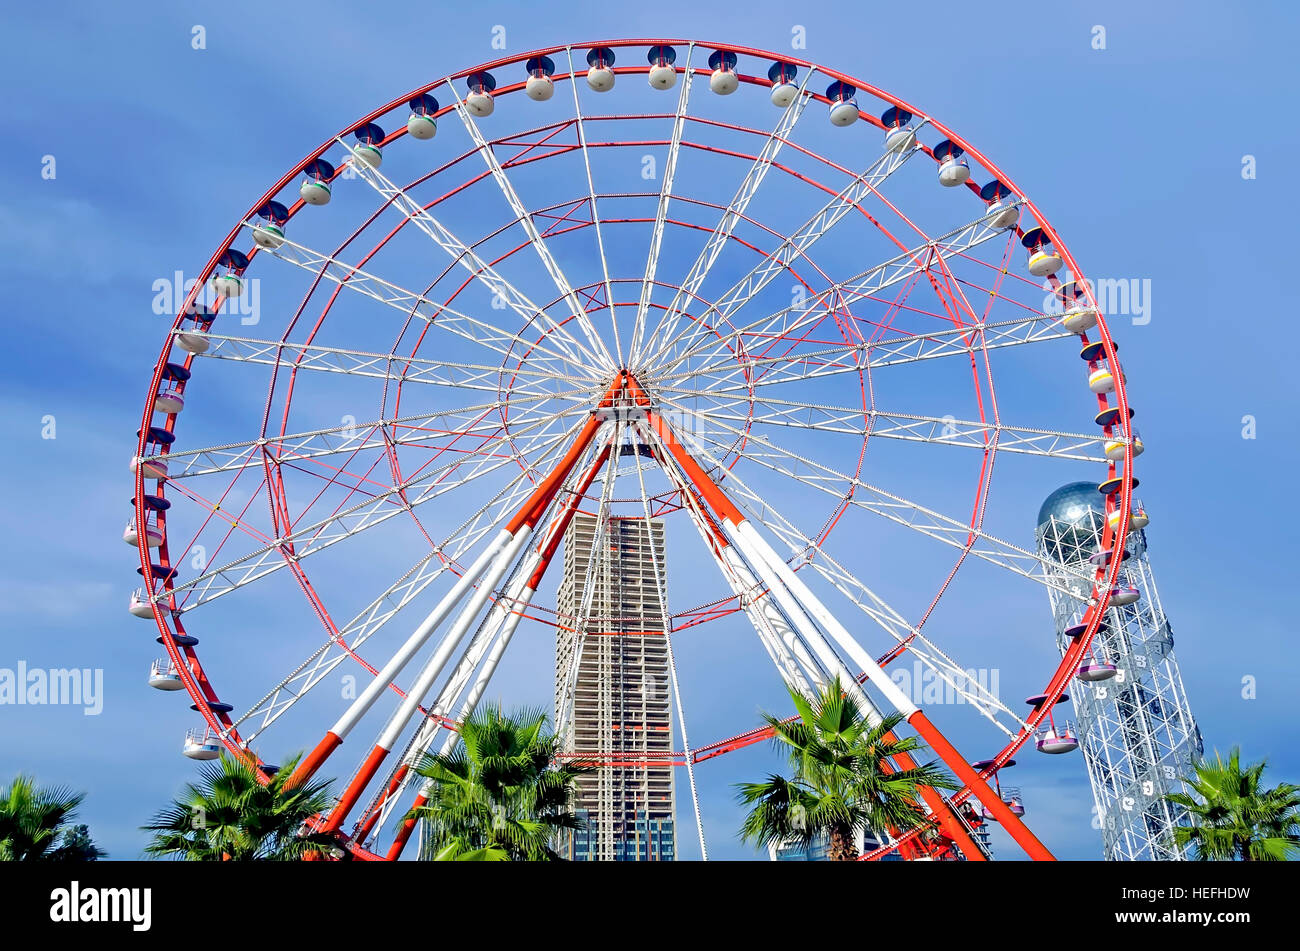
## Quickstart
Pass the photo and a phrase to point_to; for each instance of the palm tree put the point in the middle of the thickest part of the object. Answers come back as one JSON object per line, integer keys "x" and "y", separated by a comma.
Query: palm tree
{"x": 1233, "y": 817}
{"x": 231, "y": 815}
{"x": 842, "y": 779}
{"x": 33, "y": 820}
{"x": 500, "y": 794}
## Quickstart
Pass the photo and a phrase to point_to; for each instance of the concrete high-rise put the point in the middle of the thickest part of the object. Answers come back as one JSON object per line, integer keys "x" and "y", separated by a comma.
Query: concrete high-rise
{"x": 1135, "y": 726}
{"x": 614, "y": 701}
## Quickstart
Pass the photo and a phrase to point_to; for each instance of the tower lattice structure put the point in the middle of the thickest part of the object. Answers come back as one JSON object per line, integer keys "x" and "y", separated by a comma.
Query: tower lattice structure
{"x": 1136, "y": 729}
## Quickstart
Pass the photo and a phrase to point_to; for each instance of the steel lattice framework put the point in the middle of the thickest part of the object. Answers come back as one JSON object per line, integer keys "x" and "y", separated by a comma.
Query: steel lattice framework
{"x": 1135, "y": 728}
{"x": 465, "y": 342}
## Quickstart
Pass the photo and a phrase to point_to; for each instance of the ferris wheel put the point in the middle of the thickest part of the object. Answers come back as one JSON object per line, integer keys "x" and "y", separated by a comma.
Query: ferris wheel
{"x": 752, "y": 297}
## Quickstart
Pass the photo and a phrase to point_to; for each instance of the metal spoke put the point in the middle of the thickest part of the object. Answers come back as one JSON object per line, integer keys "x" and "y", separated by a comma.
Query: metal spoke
{"x": 665, "y": 196}
{"x": 836, "y": 359}
{"x": 386, "y": 366}
{"x": 525, "y": 219}
{"x": 789, "y": 321}
{"x": 873, "y": 423}
{"x": 661, "y": 590}
{"x": 439, "y": 315}
{"x": 468, "y": 258}
{"x": 424, "y": 428}
{"x": 581, "y": 129}
{"x": 357, "y": 518}
{"x": 795, "y": 246}
{"x": 344, "y": 642}
{"x": 666, "y": 328}
{"x": 763, "y": 452}
{"x": 807, "y": 552}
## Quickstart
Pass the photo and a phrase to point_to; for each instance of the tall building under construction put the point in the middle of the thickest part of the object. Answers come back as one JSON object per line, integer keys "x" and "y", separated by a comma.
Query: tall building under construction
{"x": 614, "y": 701}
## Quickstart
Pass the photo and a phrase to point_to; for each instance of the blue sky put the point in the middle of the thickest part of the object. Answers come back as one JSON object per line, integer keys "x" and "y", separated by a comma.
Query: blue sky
{"x": 1135, "y": 152}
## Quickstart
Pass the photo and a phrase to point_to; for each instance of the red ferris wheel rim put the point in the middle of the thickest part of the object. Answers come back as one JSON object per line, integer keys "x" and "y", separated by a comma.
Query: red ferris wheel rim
{"x": 186, "y": 659}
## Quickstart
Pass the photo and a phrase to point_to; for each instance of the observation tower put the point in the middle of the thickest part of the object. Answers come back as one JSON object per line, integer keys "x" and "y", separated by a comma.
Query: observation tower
{"x": 1134, "y": 724}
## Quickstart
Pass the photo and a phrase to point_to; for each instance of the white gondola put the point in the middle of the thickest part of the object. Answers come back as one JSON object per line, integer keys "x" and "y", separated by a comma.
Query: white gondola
{"x": 315, "y": 191}
{"x": 1079, "y": 319}
{"x": 1003, "y": 211}
{"x": 1057, "y": 739}
{"x": 844, "y": 107}
{"x": 370, "y": 156}
{"x": 201, "y": 745}
{"x": 1101, "y": 380}
{"x": 723, "y": 80}
{"x": 480, "y": 104}
{"x": 1043, "y": 258}
{"x": 899, "y": 136}
{"x": 479, "y": 101}
{"x": 421, "y": 124}
{"x": 954, "y": 170}
{"x": 539, "y": 87}
{"x": 192, "y": 341}
{"x": 1015, "y": 802}
{"x": 268, "y": 235}
{"x": 1137, "y": 519}
{"x": 899, "y": 139}
{"x": 1115, "y": 446}
{"x": 367, "y": 151}
{"x": 163, "y": 676}
{"x": 600, "y": 75}
{"x": 1044, "y": 262}
{"x": 168, "y": 401}
{"x": 662, "y": 73}
{"x": 228, "y": 282}
{"x": 139, "y": 605}
{"x": 153, "y": 537}
{"x": 155, "y": 467}
{"x": 315, "y": 188}
{"x": 1096, "y": 671}
{"x": 783, "y": 88}
{"x": 228, "y": 285}
{"x": 1122, "y": 595}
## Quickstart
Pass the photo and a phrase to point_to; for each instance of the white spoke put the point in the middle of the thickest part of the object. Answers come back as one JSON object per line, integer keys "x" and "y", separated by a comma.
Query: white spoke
{"x": 763, "y": 452}
{"x": 661, "y": 590}
{"x": 665, "y": 196}
{"x": 441, "y": 316}
{"x": 791, "y": 249}
{"x": 386, "y": 366}
{"x": 348, "y": 639}
{"x": 595, "y": 214}
{"x": 873, "y": 423}
{"x": 357, "y": 518}
{"x": 804, "y": 549}
{"x": 356, "y": 437}
{"x": 734, "y": 213}
{"x": 469, "y": 259}
{"x": 525, "y": 218}
{"x": 789, "y": 321}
